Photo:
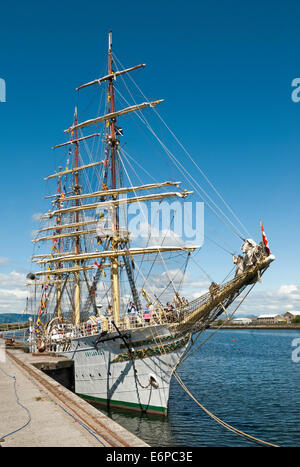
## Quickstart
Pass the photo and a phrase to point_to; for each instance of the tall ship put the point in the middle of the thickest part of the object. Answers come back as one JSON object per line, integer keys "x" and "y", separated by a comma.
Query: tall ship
{"x": 107, "y": 289}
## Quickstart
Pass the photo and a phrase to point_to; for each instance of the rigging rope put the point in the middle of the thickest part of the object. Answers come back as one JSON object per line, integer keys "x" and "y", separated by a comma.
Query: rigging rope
{"x": 141, "y": 116}
{"x": 186, "y": 355}
{"x": 186, "y": 152}
{"x": 126, "y": 156}
{"x": 220, "y": 246}
{"x": 146, "y": 221}
{"x": 187, "y": 175}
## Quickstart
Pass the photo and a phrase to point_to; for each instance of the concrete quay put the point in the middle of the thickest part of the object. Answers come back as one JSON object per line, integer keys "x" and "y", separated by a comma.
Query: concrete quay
{"x": 56, "y": 416}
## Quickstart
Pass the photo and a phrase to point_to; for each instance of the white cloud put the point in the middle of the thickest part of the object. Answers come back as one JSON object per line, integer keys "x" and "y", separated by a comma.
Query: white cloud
{"x": 281, "y": 300}
{"x": 287, "y": 289}
{"x": 13, "y": 292}
{"x": 12, "y": 279}
{"x": 4, "y": 261}
{"x": 36, "y": 216}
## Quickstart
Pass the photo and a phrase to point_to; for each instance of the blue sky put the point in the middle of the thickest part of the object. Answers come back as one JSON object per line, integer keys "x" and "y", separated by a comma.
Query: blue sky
{"x": 224, "y": 69}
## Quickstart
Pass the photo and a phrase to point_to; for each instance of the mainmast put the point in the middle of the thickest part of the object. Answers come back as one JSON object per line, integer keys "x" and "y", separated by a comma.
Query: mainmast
{"x": 77, "y": 240}
{"x": 58, "y": 287}
{"x": 113, "y": 143}
{"x": 111, "y": 100}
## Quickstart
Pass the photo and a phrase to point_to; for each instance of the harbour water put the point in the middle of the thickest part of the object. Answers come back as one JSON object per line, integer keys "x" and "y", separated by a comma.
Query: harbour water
{"x": 246, "y": 377}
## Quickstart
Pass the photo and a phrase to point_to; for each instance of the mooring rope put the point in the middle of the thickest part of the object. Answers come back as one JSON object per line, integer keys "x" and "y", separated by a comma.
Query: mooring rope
{"x": 94, "y": 433}
{"x": 14, "y": 378}
{"x": 86, "y": 427}
{"x": 221, "y": 422}
{"x": 188, "y": 355}
{"x": 214, "y": 417}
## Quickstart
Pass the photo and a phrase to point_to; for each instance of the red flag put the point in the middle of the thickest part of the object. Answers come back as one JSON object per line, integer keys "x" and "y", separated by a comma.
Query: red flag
{"x": 265, "y": 239}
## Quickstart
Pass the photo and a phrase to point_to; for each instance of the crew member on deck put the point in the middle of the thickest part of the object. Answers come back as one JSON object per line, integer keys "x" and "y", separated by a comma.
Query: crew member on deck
{"x": 99, "y": 319}
{"x": 131, "y": 308}
{"x": 147, "y": 315}
{"x": 132, "y": 314}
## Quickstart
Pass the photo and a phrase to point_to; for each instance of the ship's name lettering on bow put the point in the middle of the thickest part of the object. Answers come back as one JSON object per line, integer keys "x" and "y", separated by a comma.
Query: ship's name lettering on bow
{"x": 92, "y": 353}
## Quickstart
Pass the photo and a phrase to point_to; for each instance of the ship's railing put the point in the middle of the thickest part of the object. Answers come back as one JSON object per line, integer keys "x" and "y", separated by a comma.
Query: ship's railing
{"x": 59, "y": 336}
{"x": 61, "y": 333}
{"x": 106, "y": 324}
{"x": 67, "y": 331}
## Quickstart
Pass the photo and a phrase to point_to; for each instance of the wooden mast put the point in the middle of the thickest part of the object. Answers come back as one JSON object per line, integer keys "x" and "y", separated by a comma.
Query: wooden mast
{"x": 58, "y": 287}
{"x": 111, "y": 75}
{"x": 113, "y": 142}
{"x": 73, "y": 141}
{"x": 71, "y": 171}
{"x": 111, "y": 253}
{"x": 111, "y": 97}
{"x": 116, "y": 202}
{"x": 122, "y": 190}
{"x": 77, "y": 240}
{"x": 116, "y": 114}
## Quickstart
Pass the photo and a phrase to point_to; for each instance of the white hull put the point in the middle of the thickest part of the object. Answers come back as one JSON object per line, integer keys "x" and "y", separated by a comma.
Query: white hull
{"x": 114, "y": 376}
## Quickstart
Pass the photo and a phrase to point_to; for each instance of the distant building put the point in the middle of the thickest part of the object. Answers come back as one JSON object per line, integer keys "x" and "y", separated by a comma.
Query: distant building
{"x": 270, "y": 319}
{"x": 290, "y": 315}
{"x": 241, "y": 321}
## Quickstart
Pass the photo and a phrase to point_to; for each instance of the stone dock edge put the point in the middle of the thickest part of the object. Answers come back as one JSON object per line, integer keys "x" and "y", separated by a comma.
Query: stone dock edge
{"x": 72, "y": 403}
